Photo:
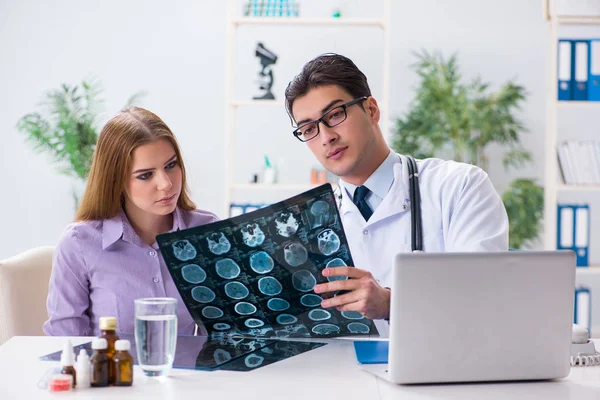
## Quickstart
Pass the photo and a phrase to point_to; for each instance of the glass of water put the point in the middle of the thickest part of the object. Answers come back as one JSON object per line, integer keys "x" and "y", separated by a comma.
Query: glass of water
{"x": 156, "y": 334}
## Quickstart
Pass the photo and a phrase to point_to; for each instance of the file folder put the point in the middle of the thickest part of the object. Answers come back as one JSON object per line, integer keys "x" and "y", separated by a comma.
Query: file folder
{"x": 583, "y": 307}
{"x": 573, "y": 231}
{"x": 372, "y": 351}
{"x": 594, "y": 71}
{"x": 580, "y": 67}
{"x": 564, "y": 68}
{"x": 236, "y": 209}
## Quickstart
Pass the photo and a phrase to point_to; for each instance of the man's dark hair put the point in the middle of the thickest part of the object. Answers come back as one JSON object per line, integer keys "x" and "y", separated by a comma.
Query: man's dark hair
{"x": 327, "y": 69}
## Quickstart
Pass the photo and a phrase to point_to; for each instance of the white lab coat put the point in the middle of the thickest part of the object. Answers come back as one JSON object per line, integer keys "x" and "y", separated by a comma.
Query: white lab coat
{"x": 461, "y": 211}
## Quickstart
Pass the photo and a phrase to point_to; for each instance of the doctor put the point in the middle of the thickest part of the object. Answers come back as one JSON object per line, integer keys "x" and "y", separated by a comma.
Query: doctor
{"x": 331, "y": 106}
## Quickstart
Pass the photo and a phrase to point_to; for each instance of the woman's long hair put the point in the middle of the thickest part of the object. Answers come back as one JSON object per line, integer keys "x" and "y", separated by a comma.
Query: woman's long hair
{"x": 111, "y": 166}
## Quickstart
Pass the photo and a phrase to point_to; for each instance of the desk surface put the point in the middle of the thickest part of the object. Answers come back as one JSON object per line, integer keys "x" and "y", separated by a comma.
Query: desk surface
{"x": 329, "y": 372}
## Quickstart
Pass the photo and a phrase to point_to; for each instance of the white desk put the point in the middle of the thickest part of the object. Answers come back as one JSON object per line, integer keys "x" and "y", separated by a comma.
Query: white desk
{"x": 329, "y": 372}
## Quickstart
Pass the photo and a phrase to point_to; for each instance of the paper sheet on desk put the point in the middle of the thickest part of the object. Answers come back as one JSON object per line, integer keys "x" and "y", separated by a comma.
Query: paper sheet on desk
{"x": 254, "y": 274}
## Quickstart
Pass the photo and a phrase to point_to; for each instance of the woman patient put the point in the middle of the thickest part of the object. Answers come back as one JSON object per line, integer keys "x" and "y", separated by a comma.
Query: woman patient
{"x": 108, "y": 257}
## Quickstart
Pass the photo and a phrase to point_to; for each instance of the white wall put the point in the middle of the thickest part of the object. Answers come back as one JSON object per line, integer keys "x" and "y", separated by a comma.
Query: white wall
{"x": 176, "y": 52}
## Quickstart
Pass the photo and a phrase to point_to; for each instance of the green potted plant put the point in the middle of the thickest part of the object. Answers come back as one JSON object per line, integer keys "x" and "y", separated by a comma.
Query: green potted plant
{"x": 460, "y": 120}
{"x": 66, "y": 127}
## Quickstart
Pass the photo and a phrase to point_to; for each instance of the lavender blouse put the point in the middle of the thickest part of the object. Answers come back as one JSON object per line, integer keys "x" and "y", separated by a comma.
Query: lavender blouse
{"x": 100, "y": 267}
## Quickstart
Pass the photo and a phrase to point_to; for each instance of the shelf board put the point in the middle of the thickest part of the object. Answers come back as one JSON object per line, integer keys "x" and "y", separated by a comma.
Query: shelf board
{"x": 578, "y": 104}
{"x": 578, "y": 188}
{"x": 307, "y": 21}
{"x": 577, "y": 20}
{"x": 257, "y": 103}
{"x": 275, "y": 186}
{"x": 591, "y": 270}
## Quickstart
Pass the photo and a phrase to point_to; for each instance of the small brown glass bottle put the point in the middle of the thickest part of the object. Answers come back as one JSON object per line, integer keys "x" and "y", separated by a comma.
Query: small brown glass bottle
{"x": 123, "y": 362}
{"x": 99, "y": 363}
{"x": 67, "y": 361}
{"x": 108, "y": 331}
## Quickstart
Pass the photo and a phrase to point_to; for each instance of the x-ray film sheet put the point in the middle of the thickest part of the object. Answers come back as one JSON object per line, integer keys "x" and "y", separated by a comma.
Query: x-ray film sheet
{"x": 270, "y": 354}
{"x": 212, "y": 354}
{"x": 254, "y": 274}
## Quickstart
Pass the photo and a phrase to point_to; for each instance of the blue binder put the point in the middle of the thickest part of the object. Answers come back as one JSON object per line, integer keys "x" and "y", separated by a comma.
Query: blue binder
{"x": 580, "y": 69}
{"x": 573, "y": 231}
{"x": 594, "y": 70}
{"x": 372, "y": 351}
{"x": 583, "y": 307}
{"x": 564, "y": 69}
{"x": 243, "y": 208}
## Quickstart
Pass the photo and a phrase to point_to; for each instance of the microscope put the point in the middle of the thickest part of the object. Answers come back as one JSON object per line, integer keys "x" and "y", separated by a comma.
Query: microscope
{"x": 267, "y": 58}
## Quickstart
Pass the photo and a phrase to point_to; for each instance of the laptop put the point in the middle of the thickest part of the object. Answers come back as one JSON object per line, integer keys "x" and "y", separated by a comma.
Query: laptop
{"x": 472, "y": 317}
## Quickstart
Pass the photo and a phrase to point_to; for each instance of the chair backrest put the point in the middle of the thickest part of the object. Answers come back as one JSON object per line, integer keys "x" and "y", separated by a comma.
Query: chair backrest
{"x": 24, "y": 281}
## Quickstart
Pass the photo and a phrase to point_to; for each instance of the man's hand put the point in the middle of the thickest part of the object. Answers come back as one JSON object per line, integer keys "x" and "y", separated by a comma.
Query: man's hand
{"x": 365, "y": 295}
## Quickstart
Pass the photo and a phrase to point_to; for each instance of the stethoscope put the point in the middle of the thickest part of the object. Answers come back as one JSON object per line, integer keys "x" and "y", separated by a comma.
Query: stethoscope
{"x": 416, "y": 234}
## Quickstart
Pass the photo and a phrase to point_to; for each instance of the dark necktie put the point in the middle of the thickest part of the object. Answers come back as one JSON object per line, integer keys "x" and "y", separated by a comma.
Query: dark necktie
{"x": 359, "y": 199}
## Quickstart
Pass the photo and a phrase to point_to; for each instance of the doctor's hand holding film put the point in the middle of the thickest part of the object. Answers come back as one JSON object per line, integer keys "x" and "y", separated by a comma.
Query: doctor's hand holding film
{"x": 365, "y": 295}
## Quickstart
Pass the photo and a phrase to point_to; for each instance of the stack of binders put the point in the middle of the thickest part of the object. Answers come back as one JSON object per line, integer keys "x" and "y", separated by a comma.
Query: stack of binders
{"x": 578, "y": 69}
{"x": 573, "y": 231}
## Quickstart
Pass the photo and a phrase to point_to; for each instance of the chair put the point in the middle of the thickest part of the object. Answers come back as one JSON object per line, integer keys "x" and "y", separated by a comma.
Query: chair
{"x": 24, "y": 281}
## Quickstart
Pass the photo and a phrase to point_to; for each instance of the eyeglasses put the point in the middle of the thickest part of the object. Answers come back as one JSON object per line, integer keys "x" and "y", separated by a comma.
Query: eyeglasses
{"x": 331, "y": 118}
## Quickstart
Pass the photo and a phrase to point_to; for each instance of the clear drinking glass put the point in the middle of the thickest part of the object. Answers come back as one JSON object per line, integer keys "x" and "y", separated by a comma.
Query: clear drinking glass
{"x": 156, "y": 334}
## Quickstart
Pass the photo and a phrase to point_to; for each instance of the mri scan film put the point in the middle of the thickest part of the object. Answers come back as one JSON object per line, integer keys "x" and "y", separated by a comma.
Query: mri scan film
{"x": 254, "y": 274}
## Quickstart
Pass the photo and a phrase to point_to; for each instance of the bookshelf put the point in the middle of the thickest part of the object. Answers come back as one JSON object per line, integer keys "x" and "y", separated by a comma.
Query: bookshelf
{"x": 233, "y": 189}
{"x": 553, "y": 184}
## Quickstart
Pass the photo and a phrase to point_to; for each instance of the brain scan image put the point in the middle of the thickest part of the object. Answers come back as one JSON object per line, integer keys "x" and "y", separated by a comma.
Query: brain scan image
{"x": 253, "y": 361}
{"x": 295, "y": 254}
{"x": 286, "y": 224}
{"x": 311, "y": 300}
{"x": 252, "y": 235}
{"x": 236, "y": 290}
{"x": 227, "y": 268}
{"x": 336, "y": 262}
{"x": 202, "y": 294}
{"x": 325, "y": 329}
{"x": 286, "y": 319}
{"x": 352, "y": 315}
{"x": 320, "y": 210}
{"x": 269, "y": 286}
{"x": 218, "y": 243}
{"x": 244, "y": 308}
{"x": 358, "y": 327}
{"x": 255, "y": 274}
{"x": 193, "y": 273}
{"x": 212, "y": 312}
{"x": 261, "y": 262}
{"x": 319, "y": 315}
{"x": 221, "y": 326}
{"x": 328, "y": 242}
{"x": 277, "y": 304}
{"x": 253, "y": 323}
{"x": 303, "y": 280}
{"x": 221, "y": 356}
{"x": 183, "y": 250}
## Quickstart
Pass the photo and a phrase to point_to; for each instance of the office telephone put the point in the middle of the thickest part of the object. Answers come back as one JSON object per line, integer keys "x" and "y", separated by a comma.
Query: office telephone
{"x": 583, "y": 351}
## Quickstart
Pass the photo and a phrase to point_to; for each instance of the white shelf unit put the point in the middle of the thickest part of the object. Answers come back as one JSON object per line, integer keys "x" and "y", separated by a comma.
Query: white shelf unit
{"x": 233, "y": 104}
{"x": 552, "y": 184}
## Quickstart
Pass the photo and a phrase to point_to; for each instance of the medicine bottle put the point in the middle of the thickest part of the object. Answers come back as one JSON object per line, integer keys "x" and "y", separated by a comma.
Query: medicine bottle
{"x": 66, "y": 361}
{"x": 83, "y": 369}
{"x": 99, "y": 363}
{"x": 108, "y": 331}
{"x": 123, "y": 362}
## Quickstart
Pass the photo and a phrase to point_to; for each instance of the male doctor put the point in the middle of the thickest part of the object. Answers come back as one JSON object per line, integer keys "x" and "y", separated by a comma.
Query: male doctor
{"x": 333, "y": 112}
